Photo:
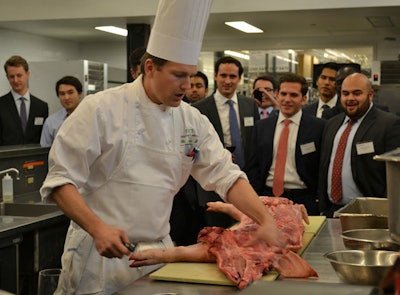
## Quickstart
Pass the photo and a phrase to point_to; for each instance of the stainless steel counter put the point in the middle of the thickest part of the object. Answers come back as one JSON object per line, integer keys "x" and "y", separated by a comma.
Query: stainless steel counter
{"x": 12, "y": 225}
{"x": 326, "y": 240}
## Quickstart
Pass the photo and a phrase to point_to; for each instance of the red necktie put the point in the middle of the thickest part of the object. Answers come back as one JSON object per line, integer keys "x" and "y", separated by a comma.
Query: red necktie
{"x": 336, "y": 184}
{"x": 279, "y": 173}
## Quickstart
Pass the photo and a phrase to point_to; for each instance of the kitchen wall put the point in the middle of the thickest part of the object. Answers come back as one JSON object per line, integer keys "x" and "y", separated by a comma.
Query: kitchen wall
{"x": 37, "y": 48}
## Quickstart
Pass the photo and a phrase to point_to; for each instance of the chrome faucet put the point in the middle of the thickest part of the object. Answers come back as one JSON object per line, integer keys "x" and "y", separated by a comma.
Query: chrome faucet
{"x": 9, "y": 170}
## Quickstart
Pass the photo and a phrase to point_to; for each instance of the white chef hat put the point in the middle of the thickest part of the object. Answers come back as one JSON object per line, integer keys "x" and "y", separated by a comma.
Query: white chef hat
{"x": 178, "y": 30}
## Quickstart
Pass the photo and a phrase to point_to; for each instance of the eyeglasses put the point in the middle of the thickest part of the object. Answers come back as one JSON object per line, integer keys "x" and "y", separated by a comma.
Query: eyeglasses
{"x": 267, "y": 89}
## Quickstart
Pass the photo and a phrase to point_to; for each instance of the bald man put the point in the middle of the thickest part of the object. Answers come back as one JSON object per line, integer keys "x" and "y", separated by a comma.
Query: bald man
{"x": 373, "y": 132}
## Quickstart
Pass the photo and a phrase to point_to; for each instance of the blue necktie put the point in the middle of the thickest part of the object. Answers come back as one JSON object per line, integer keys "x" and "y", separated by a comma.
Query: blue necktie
{"x": 22, "y": 113}
{"x": 235, "y": 135}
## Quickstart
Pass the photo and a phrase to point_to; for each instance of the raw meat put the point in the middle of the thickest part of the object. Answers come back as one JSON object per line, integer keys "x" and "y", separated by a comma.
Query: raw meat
{"x": 243, "y": 263}
{"x": 240, "y": 261}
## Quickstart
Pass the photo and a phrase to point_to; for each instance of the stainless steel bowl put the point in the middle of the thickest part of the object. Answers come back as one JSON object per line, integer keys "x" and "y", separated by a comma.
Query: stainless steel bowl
{"x": 361, "y": 267}
{"x": 369, "y": 239}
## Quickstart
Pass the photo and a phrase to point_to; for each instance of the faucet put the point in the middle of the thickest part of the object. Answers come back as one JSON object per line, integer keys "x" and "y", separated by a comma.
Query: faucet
{"x": 9, "y": 170}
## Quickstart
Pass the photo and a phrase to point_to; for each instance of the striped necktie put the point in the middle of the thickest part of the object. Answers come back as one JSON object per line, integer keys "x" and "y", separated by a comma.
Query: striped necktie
{"x": 22, "y": 113}
{"x": 235, "y": 135}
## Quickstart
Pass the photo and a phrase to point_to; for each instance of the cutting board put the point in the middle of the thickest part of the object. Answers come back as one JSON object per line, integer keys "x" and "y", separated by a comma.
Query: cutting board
{"x": 208, "y": 273}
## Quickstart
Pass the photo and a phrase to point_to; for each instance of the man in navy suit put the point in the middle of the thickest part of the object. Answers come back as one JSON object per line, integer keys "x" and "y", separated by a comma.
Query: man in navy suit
{"x": 12, "y": 131}
{"x": 373, "y": 132}
{"x": 303, "y": 148}
{"x": 227, "y": 74}
{"x": 326, "y": 84}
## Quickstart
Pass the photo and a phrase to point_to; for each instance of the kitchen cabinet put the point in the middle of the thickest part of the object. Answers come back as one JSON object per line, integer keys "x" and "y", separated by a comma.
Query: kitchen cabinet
{"x": 9, "y": 263}
{"x": 41, "y": 249}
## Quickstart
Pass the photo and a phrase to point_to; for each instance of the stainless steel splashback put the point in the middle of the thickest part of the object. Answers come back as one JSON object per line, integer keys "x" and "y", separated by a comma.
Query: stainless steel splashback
{"x": 32, "y": 163}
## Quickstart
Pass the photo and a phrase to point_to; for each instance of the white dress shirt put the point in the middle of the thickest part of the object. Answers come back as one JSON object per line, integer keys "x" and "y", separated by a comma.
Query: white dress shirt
{"x": 17, "y": 100}
{"x": 223, "y": 112}
{"x": 292, "y": 179}
{"x": 330, "y": 103}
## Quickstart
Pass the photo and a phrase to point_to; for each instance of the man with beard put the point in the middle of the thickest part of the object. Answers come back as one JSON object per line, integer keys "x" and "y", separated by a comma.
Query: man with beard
{"x": 350, "y": 141}
{"x": 198, "y": 87}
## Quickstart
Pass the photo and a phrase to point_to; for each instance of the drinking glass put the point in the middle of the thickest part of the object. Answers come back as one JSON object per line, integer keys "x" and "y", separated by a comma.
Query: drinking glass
{"x": 48, "y": 281}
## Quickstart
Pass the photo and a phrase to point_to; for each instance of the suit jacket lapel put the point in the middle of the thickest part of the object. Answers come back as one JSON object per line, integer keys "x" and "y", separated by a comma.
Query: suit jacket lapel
{"x": 12, "y": 108}
{"x": 366, "y": 123}
{"x": 213, "y": 116}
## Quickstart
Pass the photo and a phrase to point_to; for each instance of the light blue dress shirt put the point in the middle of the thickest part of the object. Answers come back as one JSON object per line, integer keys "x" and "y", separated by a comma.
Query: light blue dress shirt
{"x": 51, "y": 126}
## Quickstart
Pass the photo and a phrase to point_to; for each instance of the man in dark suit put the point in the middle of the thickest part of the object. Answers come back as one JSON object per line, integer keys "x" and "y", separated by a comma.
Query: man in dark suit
{"x": 371, "y": 132}
{"x": 300, "y": 167}
{"x": 227, "y": 74}
{"x": 21, "y": 114}
{"x": 326, "y": 84}
{"x": 265, "y": 89}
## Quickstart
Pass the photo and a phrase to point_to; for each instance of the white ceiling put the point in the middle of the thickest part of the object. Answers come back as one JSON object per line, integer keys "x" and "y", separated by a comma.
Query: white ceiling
{"x": 347, "y": 29}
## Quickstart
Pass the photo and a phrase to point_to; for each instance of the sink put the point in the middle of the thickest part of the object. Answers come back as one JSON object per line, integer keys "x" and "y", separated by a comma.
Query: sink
{"x": 27, "y": 209}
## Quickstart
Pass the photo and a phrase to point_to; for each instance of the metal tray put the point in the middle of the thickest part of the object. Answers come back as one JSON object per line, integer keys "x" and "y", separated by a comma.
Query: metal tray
{"x": 363, "y": 213}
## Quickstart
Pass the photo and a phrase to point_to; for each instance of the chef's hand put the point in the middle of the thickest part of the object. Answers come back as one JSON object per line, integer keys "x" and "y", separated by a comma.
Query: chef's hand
{"x": 109, "y": 241}
{"x": 269, "y": 233}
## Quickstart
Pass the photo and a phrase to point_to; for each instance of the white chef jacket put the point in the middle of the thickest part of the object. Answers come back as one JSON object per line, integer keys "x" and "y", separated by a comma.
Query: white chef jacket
{"x": 128, "y": 157}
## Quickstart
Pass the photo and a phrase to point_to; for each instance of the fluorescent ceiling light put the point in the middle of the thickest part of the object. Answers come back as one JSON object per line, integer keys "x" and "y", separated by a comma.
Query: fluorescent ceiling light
{"x": 286, "y": 59}
{"x": 113, "y": 30}
{"x": 237, "y": 54}
{"x": 244, "y": 27}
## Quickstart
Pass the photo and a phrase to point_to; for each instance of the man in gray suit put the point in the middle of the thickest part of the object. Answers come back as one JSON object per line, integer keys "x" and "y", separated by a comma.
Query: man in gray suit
{"x": 370, "y": 132}
{"x": 227, "y": 74}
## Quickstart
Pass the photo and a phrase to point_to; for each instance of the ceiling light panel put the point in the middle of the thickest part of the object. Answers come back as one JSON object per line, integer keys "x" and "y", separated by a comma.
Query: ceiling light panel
{"x": 380, "y": 21}
{"x": 113, "y": 30}
{"x": 244, "y": 27}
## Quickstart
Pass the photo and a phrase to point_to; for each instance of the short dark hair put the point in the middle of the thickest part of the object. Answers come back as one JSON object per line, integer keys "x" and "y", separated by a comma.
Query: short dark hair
{"x": 266, "y": 78}
{"x": 295, "y": 78}
{"x": 330, "y": 65}
{"x": 228, "y": 60}
{"x": 69, "y": 80}
{"x": 16, "y": 61}
{"x": 202, "y": 76}
{"x": 136, "y": 56}
{"x": 158, "y": 62}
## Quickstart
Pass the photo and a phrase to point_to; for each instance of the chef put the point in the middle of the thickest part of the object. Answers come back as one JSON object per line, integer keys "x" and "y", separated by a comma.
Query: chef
{"x": 120, "y": 158}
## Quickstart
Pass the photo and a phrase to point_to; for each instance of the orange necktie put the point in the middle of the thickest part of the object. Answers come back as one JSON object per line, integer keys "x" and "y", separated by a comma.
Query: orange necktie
{"x": 279, "y": 173}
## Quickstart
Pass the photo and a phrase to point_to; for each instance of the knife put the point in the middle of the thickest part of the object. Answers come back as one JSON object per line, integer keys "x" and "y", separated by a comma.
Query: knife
{"x": 131, "y": 246}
